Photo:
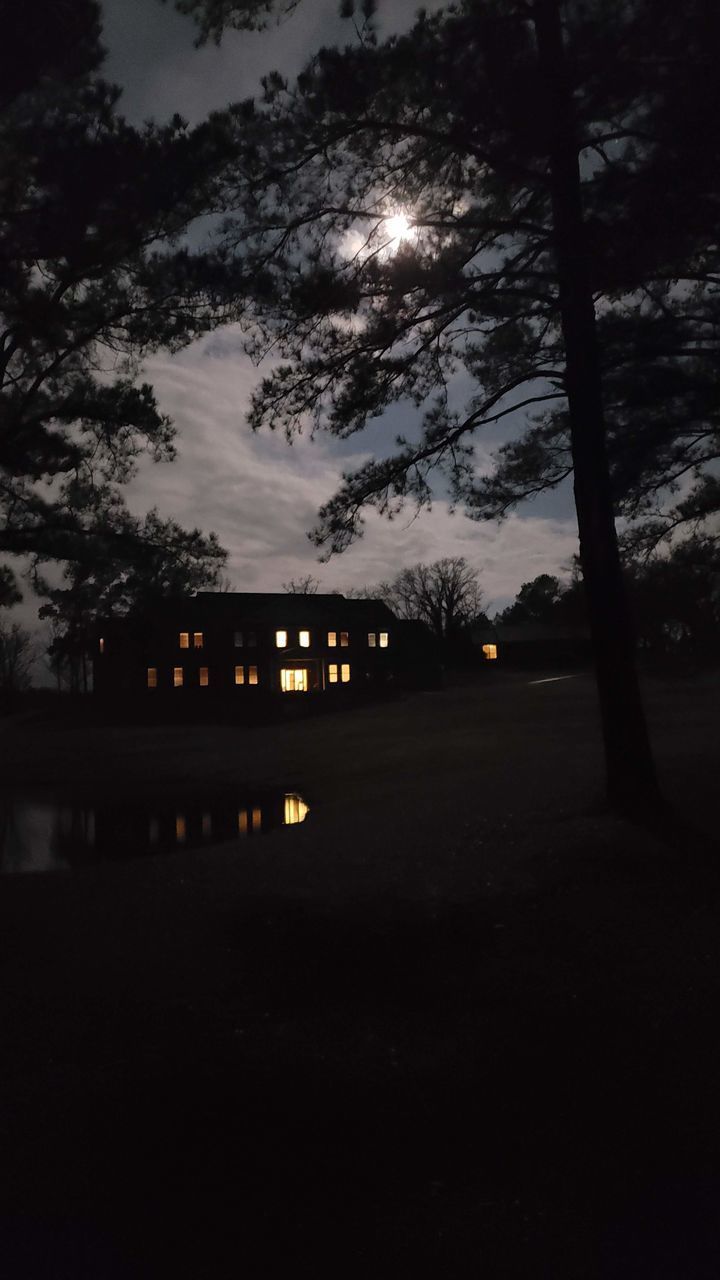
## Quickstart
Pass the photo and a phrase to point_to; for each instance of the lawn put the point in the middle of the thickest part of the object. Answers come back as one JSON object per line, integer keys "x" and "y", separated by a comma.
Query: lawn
{"x": 460, "y": 1019}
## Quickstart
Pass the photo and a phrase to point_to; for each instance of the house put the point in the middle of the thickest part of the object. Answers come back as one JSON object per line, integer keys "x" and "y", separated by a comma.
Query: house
{"x": 533, "y": 644}
{"x": 238, "y": 647}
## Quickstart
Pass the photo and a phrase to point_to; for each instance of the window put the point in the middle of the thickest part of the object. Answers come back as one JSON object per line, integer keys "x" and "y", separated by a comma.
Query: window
{"x": 490, "y": 651}
{"x": 242, "y": 822}
{"x": 180, "y": 828}
{"x": 295, "y": 809}
{"x": 251, "y": 639}
{"x": 252, "y": 675}
{"x": 256, "y": 819}
{"x": 304, "y": 639}
{"x": 177, "y": 677}
{"x": 372, "y": 639}
{"x": 206, "y": 826}
{"x": 294, "y": 679}
{"x": 384, "y": 638}
{"x": 332, "y": 639}
{"x": 345, "y": 673}
{"x": 184, "y": 639}
{"x": 238, "y": 640}
{"x": 332, "y": 673}
{"x": 281, "y": 639}
{"x": 204, "y": 682}
{"x": 344, "y": 640}
{"x": 197, "y": 639}
{"x": 152, "y": 677}
{"x": 101, "y": 644}
{"x": 239, "y": 675}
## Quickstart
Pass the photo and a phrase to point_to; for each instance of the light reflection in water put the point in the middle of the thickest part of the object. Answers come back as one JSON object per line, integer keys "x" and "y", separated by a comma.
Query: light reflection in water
{"x": 42, "y": 836}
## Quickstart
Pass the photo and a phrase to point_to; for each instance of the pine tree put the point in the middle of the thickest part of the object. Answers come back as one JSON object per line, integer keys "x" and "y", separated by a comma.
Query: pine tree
{"x": 473, "y": 199}
{"x": 93, "y": 276}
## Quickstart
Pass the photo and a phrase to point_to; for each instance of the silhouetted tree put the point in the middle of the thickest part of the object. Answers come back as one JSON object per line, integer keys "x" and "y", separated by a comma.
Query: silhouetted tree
{"x": 17, "y": 655}
{"x": 92, "y": 278}
{"x": 159, "y": 559}
{"x": 445, "y": 595}
{"x": 525, "y": 144}
{"x": 536, "y": 601}
{"x": 676, "y": 600}
{"x": 307, "y": 586}
{"x": 549, "y": 600}
{"x": 9, "y": 592}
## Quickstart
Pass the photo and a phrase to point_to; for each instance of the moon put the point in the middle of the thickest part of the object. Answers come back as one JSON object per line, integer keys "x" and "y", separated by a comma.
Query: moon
{"x": 398, "y": 229}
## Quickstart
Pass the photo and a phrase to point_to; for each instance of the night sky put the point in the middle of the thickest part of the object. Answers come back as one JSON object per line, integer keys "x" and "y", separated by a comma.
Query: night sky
{"x": 257, "y": 493}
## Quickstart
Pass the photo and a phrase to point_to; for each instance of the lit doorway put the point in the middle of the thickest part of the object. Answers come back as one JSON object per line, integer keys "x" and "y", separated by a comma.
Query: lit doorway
{"x": 294, "y": 679}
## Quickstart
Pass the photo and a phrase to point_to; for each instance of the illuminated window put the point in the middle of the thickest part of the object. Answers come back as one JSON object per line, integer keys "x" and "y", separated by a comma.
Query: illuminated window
{"x": 197, "y": 639}
{"x": 332, "y": 639}
{"x": 152, "y": 677}
{"x": 184, "y": 639}
{"x": 281, "y": 639}
{"x": 252, "y": 675}
{"x": 180, "y": 828}
{"x": 294, "y": 679}
{"x": 372, "y": 639}
{"x": 295, "y": 809}
{"x": 304, "y": 639}
{"x": 344, "y": 640}
{"x": 490, "y": 651}
{"x": 242, "y": 822}
{"x": 345, "y": 672}
{"x": 384, "y": 639}
{"x": 238, "y": 640}
{"x": 332, "y": 673}
{"x": 177, "y": 677}
{"x": 239, "y": 675}
{"x": 204, "y": 681}
{"x": 257, "y": 819}
{"x": 101, "y": 645}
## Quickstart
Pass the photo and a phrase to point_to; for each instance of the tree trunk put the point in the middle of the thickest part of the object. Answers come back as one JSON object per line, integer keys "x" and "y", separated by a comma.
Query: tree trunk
{"x": 631, "y": 779}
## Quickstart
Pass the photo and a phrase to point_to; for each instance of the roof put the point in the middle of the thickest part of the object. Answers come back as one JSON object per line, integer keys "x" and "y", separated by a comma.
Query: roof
{"x": 526, "y": 632}
{"x": 279, "y": 608}
{"x": 291, "y": 608}
{"x": 416, "y": 634}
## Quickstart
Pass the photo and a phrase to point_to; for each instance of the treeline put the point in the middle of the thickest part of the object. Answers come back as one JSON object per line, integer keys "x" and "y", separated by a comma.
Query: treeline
{"x": 674, "y": 601}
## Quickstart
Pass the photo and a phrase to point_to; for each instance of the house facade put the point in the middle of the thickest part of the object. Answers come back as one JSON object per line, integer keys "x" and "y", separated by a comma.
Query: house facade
{"x": 241, "y": 646}
{"x": 533, "y": 644}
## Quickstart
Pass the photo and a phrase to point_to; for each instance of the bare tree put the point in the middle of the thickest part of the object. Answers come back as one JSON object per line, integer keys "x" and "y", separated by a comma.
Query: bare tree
{"x": 307, "y": 586}
{"x": 446, "y": 595}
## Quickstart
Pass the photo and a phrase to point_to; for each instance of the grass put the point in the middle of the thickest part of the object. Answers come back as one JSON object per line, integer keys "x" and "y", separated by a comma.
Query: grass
{"x": 460, "y": 1019}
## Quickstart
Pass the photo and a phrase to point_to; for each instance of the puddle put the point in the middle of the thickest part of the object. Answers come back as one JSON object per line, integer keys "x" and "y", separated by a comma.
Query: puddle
{"x": 37, "y": 835}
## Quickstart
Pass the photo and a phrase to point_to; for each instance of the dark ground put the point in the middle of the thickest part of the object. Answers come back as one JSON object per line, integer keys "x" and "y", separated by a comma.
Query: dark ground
{"x": 460, "y": 1020}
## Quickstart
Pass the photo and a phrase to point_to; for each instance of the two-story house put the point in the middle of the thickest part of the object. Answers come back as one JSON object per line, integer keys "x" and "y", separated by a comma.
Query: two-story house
{"x": 242, "y": 645}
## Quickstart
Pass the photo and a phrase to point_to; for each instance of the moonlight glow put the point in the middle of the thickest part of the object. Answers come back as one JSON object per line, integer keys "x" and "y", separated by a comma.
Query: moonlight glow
{"x": 398, "y": 229}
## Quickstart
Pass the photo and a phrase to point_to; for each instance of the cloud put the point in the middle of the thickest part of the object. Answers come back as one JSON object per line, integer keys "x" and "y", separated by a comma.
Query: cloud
{"x": 151, "y": 53}
{"x": 261, "y": 495}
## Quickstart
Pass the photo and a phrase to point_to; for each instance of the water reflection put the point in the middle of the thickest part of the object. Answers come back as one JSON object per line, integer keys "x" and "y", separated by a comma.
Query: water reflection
{"x": 41, "y": 836}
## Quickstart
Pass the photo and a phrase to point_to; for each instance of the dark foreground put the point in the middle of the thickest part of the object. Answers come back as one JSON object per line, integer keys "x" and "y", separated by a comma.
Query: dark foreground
{"x": 459, "y": 1020}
